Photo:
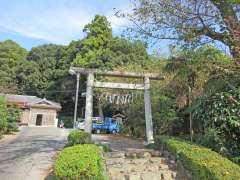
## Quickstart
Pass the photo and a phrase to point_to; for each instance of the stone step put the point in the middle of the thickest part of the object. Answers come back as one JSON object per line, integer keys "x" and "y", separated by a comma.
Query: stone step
{"x": 140, "y": 164}
{"x": 137, "y": 153}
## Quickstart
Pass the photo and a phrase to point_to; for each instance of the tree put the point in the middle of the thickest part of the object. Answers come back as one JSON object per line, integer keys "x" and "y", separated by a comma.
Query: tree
{"x": 190, "y": 21}
{"x": 46, "y": 65}
{"x": 101, "y": 50}
{"x": 125, "y": 52}
{"x": 220, "y": 116}
{"x": 10, "y": 55}
{"x": 94, "y": 47}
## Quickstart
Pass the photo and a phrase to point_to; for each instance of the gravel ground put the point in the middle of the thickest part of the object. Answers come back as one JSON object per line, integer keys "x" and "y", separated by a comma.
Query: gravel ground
{"x": 30, "y": 154}
{"x": 118, "y": 142}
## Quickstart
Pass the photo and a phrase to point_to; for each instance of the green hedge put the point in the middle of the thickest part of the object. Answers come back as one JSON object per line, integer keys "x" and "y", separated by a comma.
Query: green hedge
{"x": 79, "y": 162}
{"x": 78, "y": 137}
{"x": 201, "y": 162}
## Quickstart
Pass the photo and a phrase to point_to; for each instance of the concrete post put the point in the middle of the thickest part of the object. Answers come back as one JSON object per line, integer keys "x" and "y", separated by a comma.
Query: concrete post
{"x": 89, "y": 103}
{"x": 76, "y": 102}
{"x": 148, "y": 111}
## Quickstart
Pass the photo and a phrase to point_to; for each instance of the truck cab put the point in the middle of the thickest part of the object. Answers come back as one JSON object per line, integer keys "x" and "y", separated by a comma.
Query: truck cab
{"x": 109, "y": 125}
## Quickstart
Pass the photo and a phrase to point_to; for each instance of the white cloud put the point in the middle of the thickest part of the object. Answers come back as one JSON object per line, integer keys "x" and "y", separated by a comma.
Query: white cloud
{"x": 118, "y": 23}
{"x": 57, "y": 23}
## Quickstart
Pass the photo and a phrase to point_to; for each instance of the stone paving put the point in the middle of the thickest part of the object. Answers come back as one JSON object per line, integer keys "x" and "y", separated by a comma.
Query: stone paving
{"x": 131, "y": 161}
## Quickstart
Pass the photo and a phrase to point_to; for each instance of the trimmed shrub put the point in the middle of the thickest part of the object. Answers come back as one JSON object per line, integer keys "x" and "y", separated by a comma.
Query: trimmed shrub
{"x": 78, "y": 137}
{"x": 201, "y": 162}
{"x": 79, "y": 162}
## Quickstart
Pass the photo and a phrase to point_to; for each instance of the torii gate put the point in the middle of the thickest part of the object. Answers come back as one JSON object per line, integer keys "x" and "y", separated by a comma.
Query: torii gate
{"x": 91, "y": 83}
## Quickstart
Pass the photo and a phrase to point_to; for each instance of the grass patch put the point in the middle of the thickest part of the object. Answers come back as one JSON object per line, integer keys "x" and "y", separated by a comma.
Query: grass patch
{"x": 151, "y": 146}
{"x": 105, "y": 147}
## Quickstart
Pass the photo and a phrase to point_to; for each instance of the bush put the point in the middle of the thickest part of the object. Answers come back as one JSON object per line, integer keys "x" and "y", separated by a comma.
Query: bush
{"x": 13, "y": 118}
{"x": 9, "y": 117}
{"x": 220, "y": 115}
{"x": 3, "y": 115}
{"x": 79, "y": 162}
{"x": 78, "y": 137}
{"x": 201, "y": 162}
{"x": 67, "y": 120}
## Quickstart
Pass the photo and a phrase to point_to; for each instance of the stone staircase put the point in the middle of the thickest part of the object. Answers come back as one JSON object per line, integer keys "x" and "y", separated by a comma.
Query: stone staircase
{"x": 142, "y": 164}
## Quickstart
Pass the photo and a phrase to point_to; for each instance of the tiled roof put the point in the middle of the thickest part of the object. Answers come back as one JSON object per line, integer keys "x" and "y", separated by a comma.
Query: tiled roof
{"x": 30, "y": 100}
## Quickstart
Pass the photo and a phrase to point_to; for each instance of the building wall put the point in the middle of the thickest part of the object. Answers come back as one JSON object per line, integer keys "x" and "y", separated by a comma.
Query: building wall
{"x": 24, "y": 117}
{"x": 48, "y": 116}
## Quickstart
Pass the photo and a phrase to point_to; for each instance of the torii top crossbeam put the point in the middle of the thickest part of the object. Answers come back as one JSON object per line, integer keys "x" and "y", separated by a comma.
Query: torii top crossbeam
{"x": 154, "y": 76}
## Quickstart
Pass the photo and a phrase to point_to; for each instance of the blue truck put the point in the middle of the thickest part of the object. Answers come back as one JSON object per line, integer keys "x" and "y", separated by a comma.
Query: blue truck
{"x": 109, "y": 125}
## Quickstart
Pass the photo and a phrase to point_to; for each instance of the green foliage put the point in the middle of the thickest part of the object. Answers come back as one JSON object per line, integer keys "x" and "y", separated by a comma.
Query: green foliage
{"x": 105, "y": 147}
{"x": 78, "y": 137}
{"x": 151, "y": 146}
{"x": 9, "y": 117}
{"x": 201, "y": 162}
{"x": 79, "y": 162}
{"x": 3, "y": 115}
{"x": 94, "y": 47}
{"x": 44, "y": 70}
{"x": 161, "y": 19}
{"x": 163, "y": 115}
{"x": 163, "y": 106}
{"x": 13, "y": 118}
{"x": 124, "y": 53}
{"x": 220, "y": 115}
{"x": 67, "y": 120}
{"x": 100, "y": 50}
{"x": 47, "y": 64}
{"x": 11, "y": 54}
{"x": 12, "y": 51}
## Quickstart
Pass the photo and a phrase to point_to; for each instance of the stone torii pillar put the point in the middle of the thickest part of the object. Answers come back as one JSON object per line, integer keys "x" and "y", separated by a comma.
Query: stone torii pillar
{"x": 89, "y": 103}
{"x": 148, "y": 111}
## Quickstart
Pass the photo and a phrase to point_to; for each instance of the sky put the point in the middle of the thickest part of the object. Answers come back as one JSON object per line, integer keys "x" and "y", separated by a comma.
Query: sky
{"x": 34, "y": 22}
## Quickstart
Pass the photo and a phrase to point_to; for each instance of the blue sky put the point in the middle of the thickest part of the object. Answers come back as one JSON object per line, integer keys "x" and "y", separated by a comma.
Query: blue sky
{"x": 34, "y": 22}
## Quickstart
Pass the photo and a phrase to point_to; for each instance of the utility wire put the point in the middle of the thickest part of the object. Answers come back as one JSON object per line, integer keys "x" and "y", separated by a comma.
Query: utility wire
{"x": 52, "y": 91}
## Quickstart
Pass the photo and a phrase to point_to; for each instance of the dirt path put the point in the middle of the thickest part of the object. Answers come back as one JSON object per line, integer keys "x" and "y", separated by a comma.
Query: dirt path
{"x": 130, "y": 160}
{"x": 118, "y": 142}
{"x": 9, "y": 137}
